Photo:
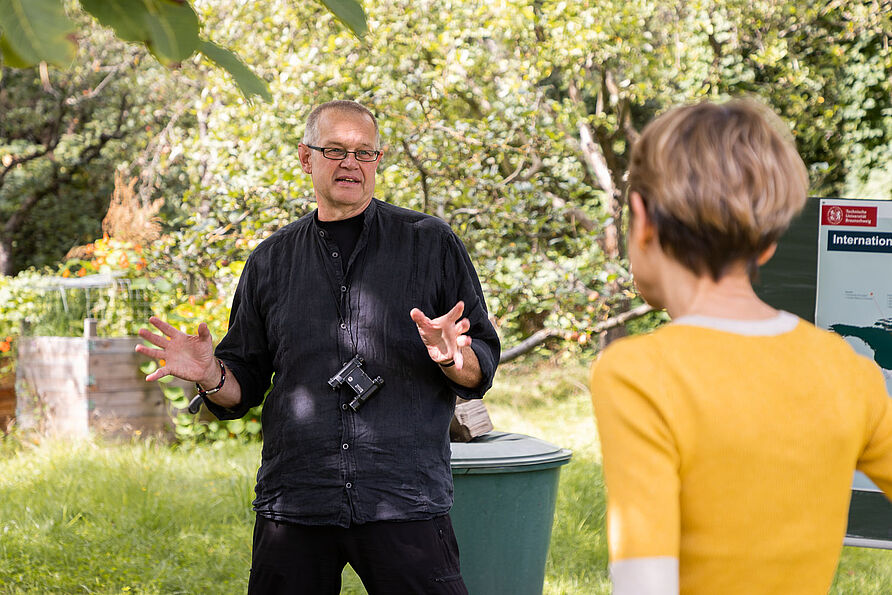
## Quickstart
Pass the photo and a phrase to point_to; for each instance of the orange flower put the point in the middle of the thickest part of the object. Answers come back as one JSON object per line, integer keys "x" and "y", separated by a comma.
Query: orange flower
{"x": 81, "y": 272}
{"x": 123, "y": 262}
{"x": 8, "y": 339}
{"x": 4, "y": 346}
{"x": 66, "y": 273}
{"x": 192, "y": 300}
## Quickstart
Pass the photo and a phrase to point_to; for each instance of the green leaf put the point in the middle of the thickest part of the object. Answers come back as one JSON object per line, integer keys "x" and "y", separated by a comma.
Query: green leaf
{"x": 169, "y": 28}
{"x": 148, "y": 367}
{"x": 249, "y": 83}
{"x": 11, "y": 57}
{"x": 350, "y": 13}
{"x": 36, "y": 31}
{"x": 126, "y": 17}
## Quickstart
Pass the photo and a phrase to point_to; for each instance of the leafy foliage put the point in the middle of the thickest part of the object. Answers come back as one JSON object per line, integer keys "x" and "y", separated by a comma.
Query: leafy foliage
{"x": 512, "y": 121}
{"x": 36, "y": 31}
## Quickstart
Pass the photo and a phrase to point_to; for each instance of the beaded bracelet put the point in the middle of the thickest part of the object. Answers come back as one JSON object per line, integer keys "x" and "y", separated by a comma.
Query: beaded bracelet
{"x": 203, "y": 393}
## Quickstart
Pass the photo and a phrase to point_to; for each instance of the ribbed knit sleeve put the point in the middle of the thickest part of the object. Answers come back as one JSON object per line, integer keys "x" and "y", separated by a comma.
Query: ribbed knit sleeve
{"x": 641, "y": 459}
{"x": 876, "y": 459}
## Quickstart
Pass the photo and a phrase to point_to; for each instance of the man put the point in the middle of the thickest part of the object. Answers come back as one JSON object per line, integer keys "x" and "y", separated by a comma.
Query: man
{"x": 358, "y": 473}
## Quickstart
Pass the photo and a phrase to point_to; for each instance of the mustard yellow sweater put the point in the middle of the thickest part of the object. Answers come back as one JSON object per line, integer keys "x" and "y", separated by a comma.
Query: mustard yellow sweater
{"x": 734, "y": 453}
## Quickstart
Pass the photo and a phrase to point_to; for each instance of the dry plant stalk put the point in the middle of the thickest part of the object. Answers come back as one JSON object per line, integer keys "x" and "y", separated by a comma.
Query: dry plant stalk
{"x": 129, "y": 220}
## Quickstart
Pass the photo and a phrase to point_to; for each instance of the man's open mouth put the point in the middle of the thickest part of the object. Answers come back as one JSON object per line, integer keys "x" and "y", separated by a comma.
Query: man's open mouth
{"x": 347, "y": 179}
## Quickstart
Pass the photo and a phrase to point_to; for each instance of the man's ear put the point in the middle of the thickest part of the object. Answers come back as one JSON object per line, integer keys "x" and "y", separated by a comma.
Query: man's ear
{"x": 641, "y": 228}
{"x": 303, "y": 153}
{"x": 766, "y": 254}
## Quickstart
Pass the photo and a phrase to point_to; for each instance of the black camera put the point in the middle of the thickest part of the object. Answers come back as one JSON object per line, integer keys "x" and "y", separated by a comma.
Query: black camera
{"x": 356, "y": 378}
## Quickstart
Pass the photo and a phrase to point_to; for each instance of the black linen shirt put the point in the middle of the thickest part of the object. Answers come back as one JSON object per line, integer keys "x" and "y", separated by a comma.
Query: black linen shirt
{"x": 297, "y": 316}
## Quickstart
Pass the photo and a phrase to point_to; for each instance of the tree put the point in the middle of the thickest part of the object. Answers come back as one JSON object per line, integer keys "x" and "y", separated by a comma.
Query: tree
{"x": 65, "y": 131}
{"x": 63, "y": 135}
{"x": 513, "y": 121}
{"x": 35, "y": 31}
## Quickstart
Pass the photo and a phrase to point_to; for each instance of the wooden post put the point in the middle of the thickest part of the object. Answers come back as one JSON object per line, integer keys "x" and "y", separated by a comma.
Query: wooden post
{"x": 90, "y": 328}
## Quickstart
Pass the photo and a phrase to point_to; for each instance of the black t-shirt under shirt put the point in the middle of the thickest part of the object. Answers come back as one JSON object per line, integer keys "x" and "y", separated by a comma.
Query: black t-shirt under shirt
{"x": 345, "y": 233}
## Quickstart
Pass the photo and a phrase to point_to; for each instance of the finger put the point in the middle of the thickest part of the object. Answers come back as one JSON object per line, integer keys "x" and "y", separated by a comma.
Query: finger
{"x": 459, "y": 359}
{"x": 204, "y": 333}
{"x": 419, "y": 318}
{"x": 157, "y": 374}
{"x": 462, "y": 326}
{"x": 155, "y": 354}
{"x": 456, "y": 311}
{"x": 156, "y": 340}
{"x": 463, "y": 341}
{"x": 162, "y": 326}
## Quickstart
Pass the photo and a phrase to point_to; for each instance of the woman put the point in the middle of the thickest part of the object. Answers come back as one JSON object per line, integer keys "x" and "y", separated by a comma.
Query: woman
{"x": 729, "y": 436}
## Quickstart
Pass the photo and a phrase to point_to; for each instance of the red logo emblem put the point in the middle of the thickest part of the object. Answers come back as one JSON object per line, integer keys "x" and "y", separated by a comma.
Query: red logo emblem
{"x": 834, "y": 215}
{"x": 851, "y": 215}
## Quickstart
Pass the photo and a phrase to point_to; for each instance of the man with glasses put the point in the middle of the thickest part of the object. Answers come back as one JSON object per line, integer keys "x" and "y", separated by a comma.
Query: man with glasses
{"x": 334, "y": 309}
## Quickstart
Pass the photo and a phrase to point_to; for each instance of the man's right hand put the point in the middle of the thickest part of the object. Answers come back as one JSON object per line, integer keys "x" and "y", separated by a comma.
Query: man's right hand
{"x": 188, "y": 357}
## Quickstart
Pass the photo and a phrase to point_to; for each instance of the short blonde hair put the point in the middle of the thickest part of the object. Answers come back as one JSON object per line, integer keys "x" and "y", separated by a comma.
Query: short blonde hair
{"x": 721, "y": 182}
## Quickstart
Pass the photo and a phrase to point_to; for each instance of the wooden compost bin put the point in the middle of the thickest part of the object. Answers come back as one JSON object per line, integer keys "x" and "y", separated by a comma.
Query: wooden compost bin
{"x": 7, "y": 400}
{"x": 74, "y": 386}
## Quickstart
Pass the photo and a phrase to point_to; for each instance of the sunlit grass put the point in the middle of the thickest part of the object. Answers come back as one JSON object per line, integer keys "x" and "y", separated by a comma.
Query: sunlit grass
{"x": 144, "y": 517}
{"x": 140, "y": 517}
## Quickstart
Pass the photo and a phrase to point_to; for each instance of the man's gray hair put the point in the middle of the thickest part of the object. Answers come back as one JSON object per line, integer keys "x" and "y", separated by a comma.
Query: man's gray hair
{"x": 311, "y": 132}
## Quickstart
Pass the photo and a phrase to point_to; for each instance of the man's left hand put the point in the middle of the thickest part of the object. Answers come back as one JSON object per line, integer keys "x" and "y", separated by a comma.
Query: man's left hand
{"x": 445, "y": 336}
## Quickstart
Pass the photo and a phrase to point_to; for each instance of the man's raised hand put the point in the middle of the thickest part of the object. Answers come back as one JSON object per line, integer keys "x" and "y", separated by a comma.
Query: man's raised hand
{"x": 445, "y": 336}
{"x": 188, "y": 357}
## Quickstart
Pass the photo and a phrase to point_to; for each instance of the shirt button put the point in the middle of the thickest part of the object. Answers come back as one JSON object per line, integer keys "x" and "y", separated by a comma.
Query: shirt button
{"x": 348, "y": 485}
{"x": 343, "y": 325}
{"x": 343, "y": 288}
{"x": 322, "y": 233}
{"x": 344, "y": 406}
{"x": 345, "y": 446}
{"x": 334, "y": 255}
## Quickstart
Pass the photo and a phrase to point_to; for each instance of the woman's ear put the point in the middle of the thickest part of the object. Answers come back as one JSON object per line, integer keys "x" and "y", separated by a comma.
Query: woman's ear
{"x": 766, "y": 254}
{"x": 641, "y": 228}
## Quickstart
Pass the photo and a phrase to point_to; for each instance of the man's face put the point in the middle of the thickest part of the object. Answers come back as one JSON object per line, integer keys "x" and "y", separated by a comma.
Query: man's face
{"x": 343, "y": 188}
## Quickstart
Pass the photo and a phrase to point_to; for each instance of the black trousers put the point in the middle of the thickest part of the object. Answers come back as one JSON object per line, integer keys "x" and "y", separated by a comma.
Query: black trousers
{"x": 391, "y": 558}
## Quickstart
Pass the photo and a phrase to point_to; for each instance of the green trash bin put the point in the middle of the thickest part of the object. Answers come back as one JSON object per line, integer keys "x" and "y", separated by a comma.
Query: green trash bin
{"x": 505, "y": 491}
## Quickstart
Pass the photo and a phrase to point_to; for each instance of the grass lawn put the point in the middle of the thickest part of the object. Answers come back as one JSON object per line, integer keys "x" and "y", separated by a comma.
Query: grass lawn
{"x": 142, "y": 517}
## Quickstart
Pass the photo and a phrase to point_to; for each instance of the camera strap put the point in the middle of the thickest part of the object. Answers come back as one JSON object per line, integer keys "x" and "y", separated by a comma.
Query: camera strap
{"x": 334, "y": 288}
{"x": 352, "y": 373}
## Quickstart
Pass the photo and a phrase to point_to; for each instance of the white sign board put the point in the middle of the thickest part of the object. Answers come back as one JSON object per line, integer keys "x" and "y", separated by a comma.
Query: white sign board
{"x": 854, "y": 294}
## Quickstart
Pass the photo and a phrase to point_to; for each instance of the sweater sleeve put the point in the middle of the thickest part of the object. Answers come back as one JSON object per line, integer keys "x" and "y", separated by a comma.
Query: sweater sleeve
{"x": 640, "y": 453}
{"x": 876, "y": 457}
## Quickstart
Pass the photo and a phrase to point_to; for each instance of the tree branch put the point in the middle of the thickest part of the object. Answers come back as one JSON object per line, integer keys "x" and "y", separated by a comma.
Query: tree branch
{"x": 421, "y": 171}
{"x": 543, "y": 335}
{"x": 89, "y": 153}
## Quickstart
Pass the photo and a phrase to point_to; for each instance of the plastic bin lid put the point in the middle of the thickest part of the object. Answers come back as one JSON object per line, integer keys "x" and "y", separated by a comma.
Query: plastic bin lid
{"x": 500, "y": 450}
{"x": 862, "y": 482}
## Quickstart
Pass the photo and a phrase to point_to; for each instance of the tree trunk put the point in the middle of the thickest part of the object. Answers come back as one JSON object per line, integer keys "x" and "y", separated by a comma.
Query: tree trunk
{"x": 6, "y": 263}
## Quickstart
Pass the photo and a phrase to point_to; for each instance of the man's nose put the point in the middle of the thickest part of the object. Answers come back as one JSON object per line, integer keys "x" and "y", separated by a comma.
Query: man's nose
{"x": 350, "y": 161}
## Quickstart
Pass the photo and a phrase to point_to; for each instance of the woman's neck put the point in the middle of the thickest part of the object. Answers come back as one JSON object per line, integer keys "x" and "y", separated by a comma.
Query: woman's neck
{"x": 732, "y": 296}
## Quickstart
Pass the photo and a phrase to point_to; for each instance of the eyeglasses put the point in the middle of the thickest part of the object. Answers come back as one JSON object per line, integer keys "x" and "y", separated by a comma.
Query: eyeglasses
{"x": 338, "y": 154}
